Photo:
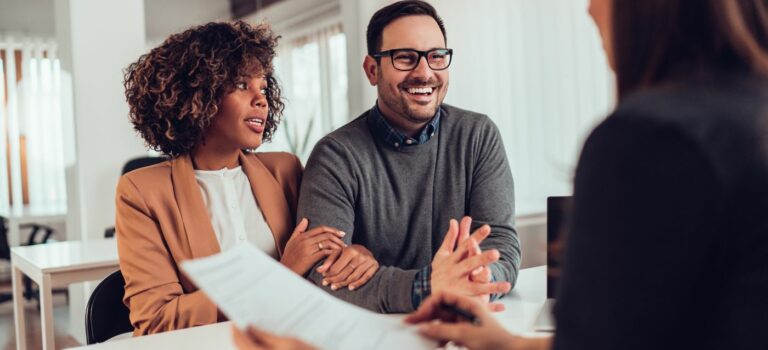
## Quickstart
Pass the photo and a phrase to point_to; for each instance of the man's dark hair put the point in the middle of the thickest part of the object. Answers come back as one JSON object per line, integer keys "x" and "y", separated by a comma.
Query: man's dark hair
{"x": 386, "y": 15}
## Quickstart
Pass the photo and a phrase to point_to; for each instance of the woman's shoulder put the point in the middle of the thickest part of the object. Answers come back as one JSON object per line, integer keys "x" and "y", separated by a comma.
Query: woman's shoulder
{"x": 729, "y": 102}
{"x": 148, "y": 178}
{"x": 716, "y": 119}
{"x": 278, "y": 162}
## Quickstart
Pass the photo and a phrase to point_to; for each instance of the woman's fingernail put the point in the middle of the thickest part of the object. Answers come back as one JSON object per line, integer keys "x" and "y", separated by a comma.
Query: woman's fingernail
{"x": 342, "y": 233}
{"x": 325, "y": 282}
{"x": 351, "y": 287}
{"x": 334, "y": 287}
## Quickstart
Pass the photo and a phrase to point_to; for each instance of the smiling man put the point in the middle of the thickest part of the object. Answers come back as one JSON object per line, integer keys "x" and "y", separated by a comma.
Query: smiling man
{"x": 395, "y": 176}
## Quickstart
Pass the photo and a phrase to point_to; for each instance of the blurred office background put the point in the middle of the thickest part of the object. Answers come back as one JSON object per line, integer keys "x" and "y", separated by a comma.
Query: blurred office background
{"x": 534, "y": 66}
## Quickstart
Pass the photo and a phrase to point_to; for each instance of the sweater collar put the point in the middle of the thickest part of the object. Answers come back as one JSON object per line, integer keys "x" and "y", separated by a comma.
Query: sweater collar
{"x": 393, "y": 137}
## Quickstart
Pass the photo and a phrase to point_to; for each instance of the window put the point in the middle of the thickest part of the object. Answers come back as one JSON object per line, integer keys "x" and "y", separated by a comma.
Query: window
{"x": 31, "y": 139}
{"x": 312, "y": 71}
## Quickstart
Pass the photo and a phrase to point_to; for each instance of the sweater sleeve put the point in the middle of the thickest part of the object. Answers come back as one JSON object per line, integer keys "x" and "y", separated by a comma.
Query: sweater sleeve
{"x": 491, "y": 202}
{"x": 642, "y": 241}
{"x": 327, "y": 197}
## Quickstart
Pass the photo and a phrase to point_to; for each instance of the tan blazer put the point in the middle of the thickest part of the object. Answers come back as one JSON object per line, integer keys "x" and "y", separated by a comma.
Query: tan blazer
{"x": 162, "y": 221}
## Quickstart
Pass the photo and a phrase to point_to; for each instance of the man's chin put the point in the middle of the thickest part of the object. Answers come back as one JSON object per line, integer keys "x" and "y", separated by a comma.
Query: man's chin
{"x": 422, "y": 114}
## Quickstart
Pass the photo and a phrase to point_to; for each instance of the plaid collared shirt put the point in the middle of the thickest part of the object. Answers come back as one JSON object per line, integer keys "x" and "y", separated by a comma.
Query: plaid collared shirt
{"x": 394, "y": 137}
{"x": 422, "y": 287}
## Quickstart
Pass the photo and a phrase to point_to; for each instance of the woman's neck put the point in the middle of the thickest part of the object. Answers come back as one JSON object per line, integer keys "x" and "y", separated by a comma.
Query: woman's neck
{"x": 209, "y": 157}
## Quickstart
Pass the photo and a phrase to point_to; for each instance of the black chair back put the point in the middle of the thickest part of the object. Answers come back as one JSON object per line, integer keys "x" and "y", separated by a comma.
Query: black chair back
{"x": 129, "y": 166}
{"x": 5, "y": 249}
{"x": 141, "y": 162}
{"x": 105, "y": 315}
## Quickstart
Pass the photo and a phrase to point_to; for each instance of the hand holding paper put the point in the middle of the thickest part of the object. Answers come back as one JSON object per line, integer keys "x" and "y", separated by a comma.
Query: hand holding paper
{"x": 253, "y": 289}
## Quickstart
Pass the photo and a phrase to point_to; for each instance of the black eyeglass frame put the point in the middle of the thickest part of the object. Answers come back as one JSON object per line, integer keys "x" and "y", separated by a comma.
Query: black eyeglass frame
{"x": 388, "y": 53}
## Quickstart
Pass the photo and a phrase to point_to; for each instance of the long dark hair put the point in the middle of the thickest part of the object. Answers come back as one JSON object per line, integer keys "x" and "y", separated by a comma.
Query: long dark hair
{"x": 655, "y": 40}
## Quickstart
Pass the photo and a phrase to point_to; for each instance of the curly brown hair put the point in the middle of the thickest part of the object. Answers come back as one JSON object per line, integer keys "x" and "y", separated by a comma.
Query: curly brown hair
{"x": 174, "y": 90}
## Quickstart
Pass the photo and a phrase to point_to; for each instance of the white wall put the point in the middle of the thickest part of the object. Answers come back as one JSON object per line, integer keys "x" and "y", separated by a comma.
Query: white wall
{"x": 166, "y": 17}
{"x": 356, "y": 14}
{"x": 28, "y": 17}
{"x": 163, "y": 17}
{"x": 97, "y": 40}
{"x": 95, "y": 50}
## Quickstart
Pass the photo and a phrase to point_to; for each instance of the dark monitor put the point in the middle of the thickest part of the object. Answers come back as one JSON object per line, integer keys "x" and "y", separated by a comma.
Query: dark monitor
{"x": 559, "y": 211}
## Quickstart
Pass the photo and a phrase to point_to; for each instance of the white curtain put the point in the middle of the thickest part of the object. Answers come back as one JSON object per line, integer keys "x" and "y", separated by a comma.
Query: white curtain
{"x": 312, "y": 71}
{"x": 536, "y": 67}
{"x": 31, "y": 109}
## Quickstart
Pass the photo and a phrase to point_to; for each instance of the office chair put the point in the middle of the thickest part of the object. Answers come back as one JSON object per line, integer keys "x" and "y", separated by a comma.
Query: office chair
{"x": 129, "y": 166}
{"x": 5, "y": 254}
{"x": 141, "y": 162}
{"x": 105, "y": 314}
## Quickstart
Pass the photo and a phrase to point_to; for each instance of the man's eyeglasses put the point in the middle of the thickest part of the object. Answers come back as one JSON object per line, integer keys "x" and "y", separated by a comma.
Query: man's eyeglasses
{"x": 408, "y": 59}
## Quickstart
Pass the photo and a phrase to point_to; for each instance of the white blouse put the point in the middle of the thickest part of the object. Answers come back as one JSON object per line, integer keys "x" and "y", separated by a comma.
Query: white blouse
{"x": 234, "y": 213}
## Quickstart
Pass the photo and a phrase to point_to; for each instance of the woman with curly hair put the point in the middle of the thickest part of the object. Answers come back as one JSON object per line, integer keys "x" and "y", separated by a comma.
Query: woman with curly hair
{"x": 203, "y": 97}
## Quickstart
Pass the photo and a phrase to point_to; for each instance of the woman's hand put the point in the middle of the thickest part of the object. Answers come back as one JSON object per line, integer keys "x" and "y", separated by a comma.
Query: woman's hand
{"x": 351, "y": 267}
{"x": 438, "y": 322}
{"x": 256, "y": 339}
{"x": 305, "y": 248}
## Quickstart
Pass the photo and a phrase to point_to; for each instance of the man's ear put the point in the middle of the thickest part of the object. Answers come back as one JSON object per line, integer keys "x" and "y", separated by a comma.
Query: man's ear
{"x": 370, "y": 67}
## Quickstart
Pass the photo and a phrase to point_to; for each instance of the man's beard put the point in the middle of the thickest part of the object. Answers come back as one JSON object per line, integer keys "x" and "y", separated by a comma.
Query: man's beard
{"x": 410, "y": 110}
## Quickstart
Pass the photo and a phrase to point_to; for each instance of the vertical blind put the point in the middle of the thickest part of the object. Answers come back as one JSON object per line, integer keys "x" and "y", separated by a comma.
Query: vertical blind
{"x": 31, "y": 137}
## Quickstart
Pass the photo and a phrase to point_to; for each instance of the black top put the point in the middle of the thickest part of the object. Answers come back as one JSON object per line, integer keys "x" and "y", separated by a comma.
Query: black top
{"x": 669, "y": 243}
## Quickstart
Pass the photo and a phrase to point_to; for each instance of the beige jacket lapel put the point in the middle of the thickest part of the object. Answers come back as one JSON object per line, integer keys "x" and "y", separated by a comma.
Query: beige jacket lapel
{"x": 271, "y": 199}
{"x": 197, "y": 225}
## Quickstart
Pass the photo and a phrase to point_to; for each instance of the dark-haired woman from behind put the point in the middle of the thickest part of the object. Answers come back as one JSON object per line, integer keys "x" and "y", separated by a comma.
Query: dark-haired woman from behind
{"x": 206, "y": 98}
{"x": 669, "y": 243}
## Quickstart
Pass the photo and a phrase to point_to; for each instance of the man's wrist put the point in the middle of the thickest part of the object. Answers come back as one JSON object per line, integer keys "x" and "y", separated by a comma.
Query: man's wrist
{"x": 422, "y": 286}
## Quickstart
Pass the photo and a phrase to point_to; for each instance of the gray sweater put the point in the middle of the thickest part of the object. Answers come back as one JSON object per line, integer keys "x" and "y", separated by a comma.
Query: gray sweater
{"x": 398, "y": 202}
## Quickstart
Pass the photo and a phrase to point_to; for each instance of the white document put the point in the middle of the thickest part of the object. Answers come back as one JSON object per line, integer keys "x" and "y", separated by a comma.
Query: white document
{"x": 251, "y": 288}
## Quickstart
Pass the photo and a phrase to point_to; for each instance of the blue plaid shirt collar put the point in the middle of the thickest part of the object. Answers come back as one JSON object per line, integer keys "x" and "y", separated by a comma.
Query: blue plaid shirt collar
{"x": 394, "y": 137}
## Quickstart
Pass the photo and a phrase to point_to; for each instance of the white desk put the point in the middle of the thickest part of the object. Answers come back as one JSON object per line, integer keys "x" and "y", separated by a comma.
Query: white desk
{"x": 524, "y": 303}
{"x": 59, "y": 263}
{"x": 522, "y": 308}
